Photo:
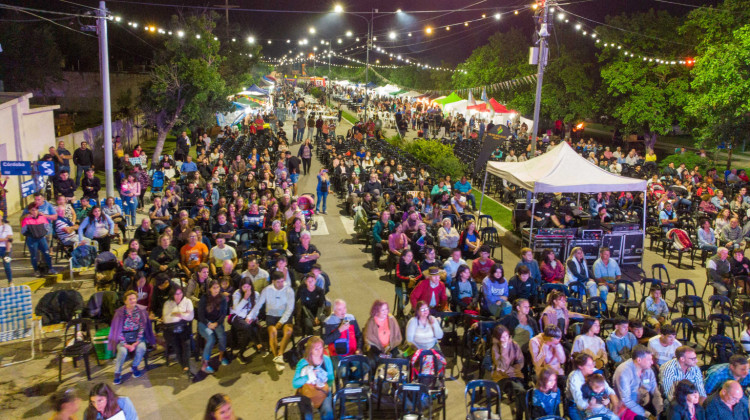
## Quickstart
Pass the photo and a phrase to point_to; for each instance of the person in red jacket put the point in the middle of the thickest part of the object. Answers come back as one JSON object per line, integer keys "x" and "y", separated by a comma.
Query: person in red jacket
{"x": 552, "y": 269}
{"x": 432, "y": 291}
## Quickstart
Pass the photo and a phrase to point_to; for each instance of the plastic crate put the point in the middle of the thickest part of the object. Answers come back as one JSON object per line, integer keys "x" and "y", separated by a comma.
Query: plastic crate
{"x": 100, "y": 344}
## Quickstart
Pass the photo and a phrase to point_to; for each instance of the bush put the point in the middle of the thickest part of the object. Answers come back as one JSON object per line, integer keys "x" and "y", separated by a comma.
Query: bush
{"x": 691, "y": 160}
{"x": 433, "y": 153}
{"x": 316, "y": 93}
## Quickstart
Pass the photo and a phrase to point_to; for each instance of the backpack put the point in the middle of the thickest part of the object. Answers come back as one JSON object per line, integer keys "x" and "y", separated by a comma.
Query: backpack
{"x": 83, "y": 256}
{"x": 680, "y": 238}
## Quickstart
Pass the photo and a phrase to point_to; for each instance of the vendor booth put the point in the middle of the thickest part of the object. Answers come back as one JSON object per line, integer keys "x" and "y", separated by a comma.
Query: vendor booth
{"x": 562, "y": 170}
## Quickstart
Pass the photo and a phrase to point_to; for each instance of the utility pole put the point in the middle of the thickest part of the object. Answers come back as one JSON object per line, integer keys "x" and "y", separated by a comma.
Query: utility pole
{"x": 101, "y": 25}
{"x": 367, "y": 57}
{"x": 541, "y": 58}
{"x": 226, "y": 6}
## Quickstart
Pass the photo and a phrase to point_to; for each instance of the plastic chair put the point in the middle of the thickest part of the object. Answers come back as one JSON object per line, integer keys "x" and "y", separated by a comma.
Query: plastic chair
{"x": 479, "y": 397}
{"x": 357, "y": 396}
{"x": 294, "y": 407}
{"x": 577, "y": 289}
{"x": 663, "y": 273}
{"x": 685, "y": 334}
{"x": 597, "y": 307}
{"x": 399, "y": 369}
{"x": 81, "y": 347}
{"x": 719, "y": 323}
{"x": 412, "y": 399}
{"x": 353, "y": 372}
{"x": 491, "y": 238}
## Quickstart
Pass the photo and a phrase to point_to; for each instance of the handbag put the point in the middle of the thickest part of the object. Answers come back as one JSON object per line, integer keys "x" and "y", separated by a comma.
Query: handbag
{"x": 130, "y": 336}
{"x": 316, "y": 395}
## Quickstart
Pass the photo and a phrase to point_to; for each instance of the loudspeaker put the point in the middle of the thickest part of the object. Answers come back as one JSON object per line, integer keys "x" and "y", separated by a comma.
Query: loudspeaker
{"x": 614, "y": 243}
{"x": 632, "y": 248}
{"x": 590, "y": 249}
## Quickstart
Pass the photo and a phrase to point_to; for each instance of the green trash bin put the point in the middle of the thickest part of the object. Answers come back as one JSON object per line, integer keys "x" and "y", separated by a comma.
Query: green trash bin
{"x": 100, "y": 344}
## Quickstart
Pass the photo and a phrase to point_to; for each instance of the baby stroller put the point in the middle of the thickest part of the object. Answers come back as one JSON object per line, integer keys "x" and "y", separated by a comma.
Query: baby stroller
{"x": 106, "y": 268}
{"x": 157, "y": 183}
{"x": 306, "y": 203}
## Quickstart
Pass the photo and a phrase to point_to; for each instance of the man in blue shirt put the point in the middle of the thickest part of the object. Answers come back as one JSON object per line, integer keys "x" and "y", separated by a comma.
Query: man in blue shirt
{"x": 729, "y": 403}
{"x": 464, "y": 187}
{"x": 736, "y": 370}
{"x": 606, "y": 272}
{"x": 188, "y": 166}
{"x": 667, "y": 217}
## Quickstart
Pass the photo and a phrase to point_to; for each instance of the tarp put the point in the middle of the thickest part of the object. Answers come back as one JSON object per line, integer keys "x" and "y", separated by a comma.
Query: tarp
{"x": 269, "y": 79}
{"x": 565, "y": 171}
{"x": 399, "y": 92}
{"x": 449, "y": 99}
{"x": 371, "y": 85}
{"x": 412, "y": 94}
{"x": 246, "y": 103}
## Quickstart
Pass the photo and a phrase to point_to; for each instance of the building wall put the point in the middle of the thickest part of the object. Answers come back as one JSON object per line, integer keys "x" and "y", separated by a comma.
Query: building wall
{"x": 81, "y": 91}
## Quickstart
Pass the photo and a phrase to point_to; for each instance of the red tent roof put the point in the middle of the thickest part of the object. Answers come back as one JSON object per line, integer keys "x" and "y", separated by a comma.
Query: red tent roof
{"x": 479, "y": 107}
{"x": 498, "y": 107}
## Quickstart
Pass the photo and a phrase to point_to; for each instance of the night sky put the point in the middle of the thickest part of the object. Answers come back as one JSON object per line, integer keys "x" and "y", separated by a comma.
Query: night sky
{"x": 452, "y": 46}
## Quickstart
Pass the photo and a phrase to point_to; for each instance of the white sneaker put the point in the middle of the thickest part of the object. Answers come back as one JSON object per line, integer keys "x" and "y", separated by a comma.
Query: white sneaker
{"x": 279, "y": 360}
{"x": 279, "y": 367}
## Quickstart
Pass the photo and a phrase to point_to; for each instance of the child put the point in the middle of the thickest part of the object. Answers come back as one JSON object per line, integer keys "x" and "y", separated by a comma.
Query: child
{"x": 599, "y": 396}
{"x": 133, "y": 262}
{"x": 657, "y": 310}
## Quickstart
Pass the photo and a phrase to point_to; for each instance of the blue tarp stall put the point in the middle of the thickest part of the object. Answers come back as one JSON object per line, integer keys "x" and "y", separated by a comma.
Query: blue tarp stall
{"x": 371, "y": 85}
{"x": 269, "y": 80}
{"x": 256, "y": 91}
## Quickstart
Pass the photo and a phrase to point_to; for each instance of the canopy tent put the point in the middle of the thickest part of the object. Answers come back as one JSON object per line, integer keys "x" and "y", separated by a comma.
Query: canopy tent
{"x": 498, "y": 107}
{"x": 268, "y": 80}
{"x": 398, "y": 92}
{"x": 371, "y": 85}
{"x": 480, "y": 107}
{"x": 246, "y": 103}
{"x": 256, "y": 91}
{"x": 412, "y": 94}
{"x": 562, "y": 170}
{"x": 458, "y": 106}
{"x": 448, "y": 99}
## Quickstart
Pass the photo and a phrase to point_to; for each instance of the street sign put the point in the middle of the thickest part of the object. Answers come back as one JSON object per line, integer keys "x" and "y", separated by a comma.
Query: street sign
{"x": 15, "y": 167}
{"x": 46, "y": 167}
{"x": 28, "y": 188}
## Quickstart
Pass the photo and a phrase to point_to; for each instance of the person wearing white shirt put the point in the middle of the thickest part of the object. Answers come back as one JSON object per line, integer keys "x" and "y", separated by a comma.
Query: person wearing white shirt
{"x": 243, "y": 301}
{"x": 177, "y": 316}
{"x": 259, "y": 276}
{"x": 664, "y": 345}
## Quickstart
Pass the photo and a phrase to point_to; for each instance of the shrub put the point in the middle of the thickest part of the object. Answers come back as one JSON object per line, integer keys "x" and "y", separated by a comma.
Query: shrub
{"x": 690, "y": 160}
{"x": 433, "y": 153}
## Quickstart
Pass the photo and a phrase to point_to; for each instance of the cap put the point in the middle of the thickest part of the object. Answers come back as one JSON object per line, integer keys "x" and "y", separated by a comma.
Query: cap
{"x": 434, "y": 270}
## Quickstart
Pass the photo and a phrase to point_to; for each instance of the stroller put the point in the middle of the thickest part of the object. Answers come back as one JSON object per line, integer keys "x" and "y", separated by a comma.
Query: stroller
{"x": 306, "y": 203}
{"x": 157, "y": 183}
{"x": 106, "y": 268}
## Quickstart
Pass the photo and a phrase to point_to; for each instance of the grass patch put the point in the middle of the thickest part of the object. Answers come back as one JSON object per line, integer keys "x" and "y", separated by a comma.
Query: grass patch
{"x": 499, "y": 213}
{"x": 349, "y": 116}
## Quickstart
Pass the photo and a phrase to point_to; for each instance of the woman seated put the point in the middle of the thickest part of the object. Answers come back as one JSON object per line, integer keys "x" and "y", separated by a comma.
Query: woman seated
{"x": 408, "y": 273}
{"x": 707, "y": 238}
{"x": 382, "y": 333}
{"x": 277, "y": 237}
{"x": 507, "y": 362}
{"x": 464, "y": 291}
{"x": 129, "y": 332}
{"x": 553, "y": 271}
{"x": 115, "y": 213}
{"x": 545, "y": 399}
{"x": 556, "y": 313}
{"x": 311, "y": 304}
{"x": 314, "y": 378}
{"x": 245, "y": 328}
{"x": 685, "y": 405}
{"x": 177, "y": 317}
{"x": 398, "y": 243}
{"x": 470, "y": 242}
{"x": 590, "y": 343}
{"x": 164, "y": 258}
{"x": 423, "y": 330}
{"x": 97, "y": 226}
{"x": 495, "y": 290}
{"x": 212, "y": 310}
{"x": 104, "y": 403}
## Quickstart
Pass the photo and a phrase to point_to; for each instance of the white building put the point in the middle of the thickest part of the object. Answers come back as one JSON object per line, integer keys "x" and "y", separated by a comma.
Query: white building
{"x": 26, "y": 133}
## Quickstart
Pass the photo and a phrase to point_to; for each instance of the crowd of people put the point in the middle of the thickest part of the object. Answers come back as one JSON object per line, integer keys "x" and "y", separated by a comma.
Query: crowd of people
{"x": 224, "y": 258}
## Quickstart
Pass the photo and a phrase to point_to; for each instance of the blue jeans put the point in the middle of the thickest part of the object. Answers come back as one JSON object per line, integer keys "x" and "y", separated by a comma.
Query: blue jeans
{"x": 130, "y": 204}
{"x": 326, "y": 409}
{"x": 710, "y": 248}
{"x": 470, "y": 198}
{"x": 591, "y": 287}
{"x": 35, "y": 245}
{"x": 322, "y": 196}
{"x": 211, "y": 337}
{"x": 310, "y": 133}
{"x": 6, "y": 266}
{"x": 122, "y": 354}
{"x": 300, "y": 134}
{"x": 80, "y": 170}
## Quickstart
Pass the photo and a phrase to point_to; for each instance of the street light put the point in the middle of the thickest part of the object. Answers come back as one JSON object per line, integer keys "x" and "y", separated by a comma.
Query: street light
{"x": 312, "y": 30}
{"x": 338, "y": 8}
{"x": 349, "y": 33}
{"x": 251, "y": 40}
{"x": 392, "y": 35}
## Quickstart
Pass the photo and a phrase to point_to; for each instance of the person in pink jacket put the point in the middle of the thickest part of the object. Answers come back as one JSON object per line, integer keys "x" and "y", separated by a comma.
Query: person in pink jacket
{"x": 553, "y": 271}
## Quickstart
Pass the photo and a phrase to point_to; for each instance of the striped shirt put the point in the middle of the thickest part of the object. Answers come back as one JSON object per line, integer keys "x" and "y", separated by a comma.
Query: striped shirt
{"x": 670, "y": 373}
{"x": 718, "y": 374}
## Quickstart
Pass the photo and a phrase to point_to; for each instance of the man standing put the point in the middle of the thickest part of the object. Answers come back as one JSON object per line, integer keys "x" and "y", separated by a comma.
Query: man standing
{"x": 300, "y": 128}
{"x": 182, "y": 148}
{"x": 84, "y": 159}
{"x": 727, "y": 404}
{"x": 310, "y": 126}
{"x": 635, "y": 384}
{"x": 63, "y": 156}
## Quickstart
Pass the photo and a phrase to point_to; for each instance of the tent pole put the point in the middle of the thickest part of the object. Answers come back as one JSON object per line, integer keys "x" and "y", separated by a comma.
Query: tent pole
{"x": 484, "y": 184}
{"x": 644, "y": 225}
{"x": 578, "y": 200}
{"x": 531, "y": 226}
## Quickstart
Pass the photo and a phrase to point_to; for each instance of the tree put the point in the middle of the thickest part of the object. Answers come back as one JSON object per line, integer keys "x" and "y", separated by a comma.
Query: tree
{"x": 31, "y": 59}
{"x": 185, "y": 85}
{"x": 646, "y": 96}
{"x": 721, "y": 101}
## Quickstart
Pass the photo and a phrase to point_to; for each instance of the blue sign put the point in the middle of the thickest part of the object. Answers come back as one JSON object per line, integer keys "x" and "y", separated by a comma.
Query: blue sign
{"x": 46, "y": 168}
{"x": 28, "y": 188}
{"x": 15, "y": 167}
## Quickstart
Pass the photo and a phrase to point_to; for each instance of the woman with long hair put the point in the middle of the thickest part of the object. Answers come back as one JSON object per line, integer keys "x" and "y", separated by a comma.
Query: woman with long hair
{"x": 686, "y": 403}
{"x": 545, "y": 400}
{"x": 97, "y": 226}
{"x": 314, "y": 377}
{"x": 552, "y": 269}
{"x": 322, "y": 189}
{"x": 464, "y": 291}
{"x": 219, "y": 407}
{"x": 495, "y": 288}
{"x": 212, "y": 310}
{"x": 507, "y": 362}
{"x": 104, "y": 403}
{"x": 64, "y": 404}
{"x": 116, "y": 214}
{"x": 130, "y": 190}
{"x": 177, "y": 316}
{"x": 469, "y": 241}
{"x": 408, "y": 272}
{"x": 576, "y": 270}
{"x": 590, "y": 343}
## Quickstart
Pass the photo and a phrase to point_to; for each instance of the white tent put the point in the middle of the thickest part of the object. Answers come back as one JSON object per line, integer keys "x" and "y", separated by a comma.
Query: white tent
{"x": 457, "y": 107}
{"x": 562, "y": 170}
{"x": 411, "y": 94}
